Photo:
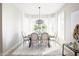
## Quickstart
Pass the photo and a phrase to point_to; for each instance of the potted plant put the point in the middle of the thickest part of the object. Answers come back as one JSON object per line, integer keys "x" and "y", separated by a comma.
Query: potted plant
{"x": 76, "y": 36}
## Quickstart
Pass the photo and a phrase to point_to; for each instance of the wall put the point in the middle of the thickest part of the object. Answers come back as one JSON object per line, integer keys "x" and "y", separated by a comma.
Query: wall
{"x": 0, "y": 29}
{"x": 68, "y": 10}
{"x": 11, "y": 24}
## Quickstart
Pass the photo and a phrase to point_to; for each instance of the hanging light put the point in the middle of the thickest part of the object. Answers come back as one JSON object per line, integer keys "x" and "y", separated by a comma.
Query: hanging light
{"x": 39, "y": 21}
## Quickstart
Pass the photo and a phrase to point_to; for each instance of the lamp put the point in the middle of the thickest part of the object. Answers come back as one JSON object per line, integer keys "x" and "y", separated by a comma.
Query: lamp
{"x": 39, "y": 21}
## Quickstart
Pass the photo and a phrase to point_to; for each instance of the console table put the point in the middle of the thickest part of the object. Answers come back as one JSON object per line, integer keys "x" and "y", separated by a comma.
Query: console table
{"x": 71, "y": 48}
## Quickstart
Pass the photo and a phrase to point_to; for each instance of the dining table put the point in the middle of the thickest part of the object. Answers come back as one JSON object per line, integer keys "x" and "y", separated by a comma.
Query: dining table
{"x": 27, "y": 38}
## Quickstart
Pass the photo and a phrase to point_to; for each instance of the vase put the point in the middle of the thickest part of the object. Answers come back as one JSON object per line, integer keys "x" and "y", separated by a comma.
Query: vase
{"x": 75, "y": 46}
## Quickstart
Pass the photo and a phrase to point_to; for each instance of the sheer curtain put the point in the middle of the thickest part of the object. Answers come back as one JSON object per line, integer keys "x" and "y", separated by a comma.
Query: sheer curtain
{"x": 25, "y": 30}
{"x": 52, "y": 25}
{"x": 61, "y": 27}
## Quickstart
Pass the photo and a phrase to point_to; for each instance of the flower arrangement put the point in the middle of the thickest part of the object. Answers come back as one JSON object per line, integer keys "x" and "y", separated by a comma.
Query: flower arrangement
{"x": 76, "y": 32}
{"x": 76, "y": 36}
{"x": 40, "y": 28}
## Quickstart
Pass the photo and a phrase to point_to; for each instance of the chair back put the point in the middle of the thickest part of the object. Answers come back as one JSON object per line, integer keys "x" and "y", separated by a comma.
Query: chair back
{"x": 44, "y": 38}
{"x": 34, "y": 38}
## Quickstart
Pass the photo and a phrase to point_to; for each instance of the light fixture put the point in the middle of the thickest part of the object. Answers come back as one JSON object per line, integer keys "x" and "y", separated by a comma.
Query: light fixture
{"x": 39, "y": 21}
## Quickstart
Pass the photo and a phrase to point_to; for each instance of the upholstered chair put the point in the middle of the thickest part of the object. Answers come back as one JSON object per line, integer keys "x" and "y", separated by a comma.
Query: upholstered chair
{"x": 34, "y": 40}
{"x": 45, "y": 39}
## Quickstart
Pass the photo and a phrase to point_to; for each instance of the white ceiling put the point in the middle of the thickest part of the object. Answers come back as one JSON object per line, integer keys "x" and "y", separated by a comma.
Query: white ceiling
{"x": 32, "y": 8}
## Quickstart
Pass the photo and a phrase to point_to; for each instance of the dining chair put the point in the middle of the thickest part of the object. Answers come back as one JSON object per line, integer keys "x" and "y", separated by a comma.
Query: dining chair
{"x": 45, "y": 39}
{"x": 34, "y": 40}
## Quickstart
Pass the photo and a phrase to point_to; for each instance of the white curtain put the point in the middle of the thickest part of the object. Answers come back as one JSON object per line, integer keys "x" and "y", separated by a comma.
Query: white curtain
{"x": 61, "y": 27}
{"x": 25, "y": 27}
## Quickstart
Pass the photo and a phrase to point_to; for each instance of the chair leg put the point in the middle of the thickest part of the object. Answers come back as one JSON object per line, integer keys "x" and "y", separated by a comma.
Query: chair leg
{"x": 48, "y": 45}
{"x": 30, "y": 44}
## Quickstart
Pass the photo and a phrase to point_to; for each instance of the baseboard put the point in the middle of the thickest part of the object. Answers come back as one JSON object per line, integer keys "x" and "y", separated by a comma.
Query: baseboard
{"x": 12, "y": 49}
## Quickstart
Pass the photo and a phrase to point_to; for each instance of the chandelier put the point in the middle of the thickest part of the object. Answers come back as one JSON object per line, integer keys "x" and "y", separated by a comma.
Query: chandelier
{"x": 39, "y": 21}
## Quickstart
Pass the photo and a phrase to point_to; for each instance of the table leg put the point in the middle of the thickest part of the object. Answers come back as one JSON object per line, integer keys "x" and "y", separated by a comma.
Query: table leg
{"x": 75, "y": 53}
{"x": 63, "y": 50}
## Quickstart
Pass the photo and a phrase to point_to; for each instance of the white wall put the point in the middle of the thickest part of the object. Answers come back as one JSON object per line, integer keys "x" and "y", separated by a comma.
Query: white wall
{"x": 68, "y": 10}
{"x": 11, "y": 23}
